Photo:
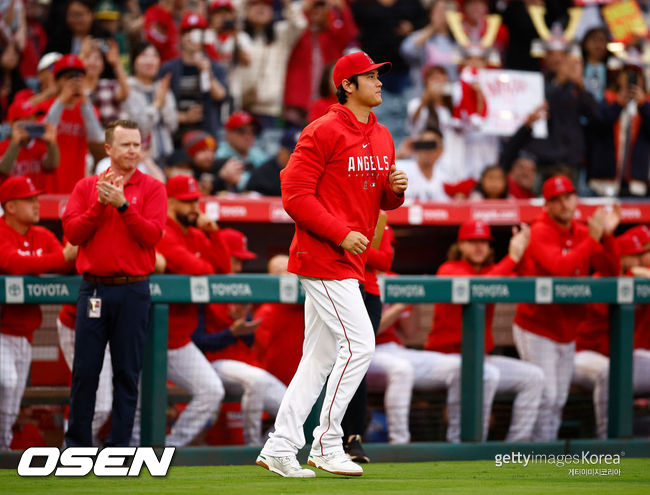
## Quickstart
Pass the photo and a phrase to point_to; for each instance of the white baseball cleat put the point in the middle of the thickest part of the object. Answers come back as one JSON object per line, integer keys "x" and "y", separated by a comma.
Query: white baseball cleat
{"x": 335, "y": 463}
{"x": 284, "y": 466}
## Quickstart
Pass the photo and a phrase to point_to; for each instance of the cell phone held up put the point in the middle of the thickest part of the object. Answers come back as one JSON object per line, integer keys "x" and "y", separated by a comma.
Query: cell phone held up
{"x": 34, "y": 130}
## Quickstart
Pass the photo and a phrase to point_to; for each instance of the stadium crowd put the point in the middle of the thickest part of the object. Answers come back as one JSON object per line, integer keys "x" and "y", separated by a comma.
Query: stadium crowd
{"x": 221, "y": 90}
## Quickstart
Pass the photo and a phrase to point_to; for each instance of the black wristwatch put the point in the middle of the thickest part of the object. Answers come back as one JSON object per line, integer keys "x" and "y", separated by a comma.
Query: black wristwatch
{"x": 123, "y": 208}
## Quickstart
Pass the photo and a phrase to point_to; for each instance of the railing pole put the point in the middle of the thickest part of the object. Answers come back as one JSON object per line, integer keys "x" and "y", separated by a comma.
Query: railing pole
{"x": 471, "y": 404}
{"x": 154, "y": 380}
{"x": 621, "y": 350}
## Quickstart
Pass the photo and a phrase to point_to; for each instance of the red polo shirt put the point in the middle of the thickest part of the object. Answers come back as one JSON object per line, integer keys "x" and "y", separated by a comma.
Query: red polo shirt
{"x": 113, "y": 243}
{"x": 190, "y": 253}
{"x": 36, "y": 252}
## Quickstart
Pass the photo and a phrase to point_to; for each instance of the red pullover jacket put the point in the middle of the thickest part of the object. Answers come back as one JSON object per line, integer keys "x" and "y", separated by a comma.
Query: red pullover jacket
{"x": 335, "y": 182}
{"x": 557, "y": 252}
{"x": 190, "y": 253}
{"x": 447, "y": 328}
{"x": 36, "y": 252}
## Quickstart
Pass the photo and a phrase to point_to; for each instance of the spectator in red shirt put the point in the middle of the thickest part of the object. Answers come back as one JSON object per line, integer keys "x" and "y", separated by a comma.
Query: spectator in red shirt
{"x": 116, "y": 219}
{"x": 591, "y": 362}
{"x": 32, "y": 150}
{"x": 76, "y": 120}
{"x": 27, "y": 249}
{"x": 472, "y": 256}
{"x": 545, "y": 335}
{"x": 230, "y": 351}
{"x": 191, "y": 245}
{"x": 278, "y": 339}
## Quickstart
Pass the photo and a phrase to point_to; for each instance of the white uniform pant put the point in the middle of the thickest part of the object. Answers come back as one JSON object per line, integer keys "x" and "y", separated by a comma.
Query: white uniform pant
{"x": 260, "y": 391}
{"x": 526, "y": 380}
{"x": 556, "y": 361}
{"x": 15, "y": 359}
{"x": 339, "y": 343}
{"x": 403, "y": 369}
{"x": 188, "y": 368}
{"x": 104, "y": 397}
{"x": 592, "y": 371}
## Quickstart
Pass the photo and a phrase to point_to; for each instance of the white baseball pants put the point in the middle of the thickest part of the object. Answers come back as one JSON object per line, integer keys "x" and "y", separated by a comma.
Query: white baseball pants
{"x": 556, "y": 361}
{"x": 260, "y": 391}
{"x": 15, "y": 359}
{"x": 402, "y": 370}
{"x": 339, "y": 343}
{"x": 104, "y": 397}
{"x": 527, "y": 381}
{"x": 592, "y": 371}
{"x": 188, "y": 368}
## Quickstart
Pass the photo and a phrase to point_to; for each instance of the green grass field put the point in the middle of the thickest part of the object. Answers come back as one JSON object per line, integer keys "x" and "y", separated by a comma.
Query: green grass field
{"x": 458, "y": 477}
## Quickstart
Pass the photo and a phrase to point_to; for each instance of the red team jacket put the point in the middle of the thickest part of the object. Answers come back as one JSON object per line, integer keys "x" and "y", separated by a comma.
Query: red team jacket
{"x": 279, "y": 338}
{"x": 380, "y": 259}
{"x": 112, "y": 243}
{"x": 34, "y": 253}
{"x": 335, "y": 182}
{"x": 557, "y": 252}
{"x": 192, "y": 253}
{"x": 447, "y": 328}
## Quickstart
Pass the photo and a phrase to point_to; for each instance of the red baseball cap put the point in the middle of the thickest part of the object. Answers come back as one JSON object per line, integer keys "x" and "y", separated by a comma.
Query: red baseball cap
{"x": 557, "y": 185}
{"x": 17, "y": 188}
{"x": 22, "y": 109}
{"x": 354, "y": 64}
{"x": 183, "y": 188}
{"x": 629, "y": 244}
{"x": 221, "y": 4}
{"x": 192, "y": 20}
{"x": 642, "y": 232}
{"x": 239, "y": 119}
{"x": 68, "y": 62}
{"x": 474, "y": 229}
{"x": 237, "y": 244}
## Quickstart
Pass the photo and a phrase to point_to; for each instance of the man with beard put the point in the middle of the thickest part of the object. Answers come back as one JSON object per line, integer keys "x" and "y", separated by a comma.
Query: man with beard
{"x": 191, "y": 245}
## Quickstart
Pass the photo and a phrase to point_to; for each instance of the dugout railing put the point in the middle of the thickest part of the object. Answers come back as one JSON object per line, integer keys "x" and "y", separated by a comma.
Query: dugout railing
{"x": 472, "y": 293}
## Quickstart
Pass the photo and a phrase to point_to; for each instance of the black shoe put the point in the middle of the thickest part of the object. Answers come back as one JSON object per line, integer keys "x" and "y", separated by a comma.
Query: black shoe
{"x": 354, "y": 450}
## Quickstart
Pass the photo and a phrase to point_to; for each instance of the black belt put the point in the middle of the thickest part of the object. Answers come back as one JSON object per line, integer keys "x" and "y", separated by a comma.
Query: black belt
{"x": 117, "y": 280}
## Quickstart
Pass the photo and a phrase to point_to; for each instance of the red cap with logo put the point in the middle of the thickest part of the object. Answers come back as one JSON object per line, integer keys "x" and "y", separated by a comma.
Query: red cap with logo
{"x": 183, "y": 188}
{"x": 642, "y": 232}
{"x": 221, "y": 4}
{"x": 354, "y": 64}
{"x": 21, "y": 109}
{"x": 192, "y": 20}
{"x": 17, "y": 188}
{"x": 239, "y": 119}
{"x": 68, "y": 62}
{"x": 629, "y": 245}
{"x": 474, "y": 229}
{"x": 237, "y": 244}
{"x": 557, "y": 185}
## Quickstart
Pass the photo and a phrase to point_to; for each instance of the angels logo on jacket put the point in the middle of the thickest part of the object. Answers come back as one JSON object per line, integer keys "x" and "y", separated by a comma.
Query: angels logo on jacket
{"x": 368, "y": 165}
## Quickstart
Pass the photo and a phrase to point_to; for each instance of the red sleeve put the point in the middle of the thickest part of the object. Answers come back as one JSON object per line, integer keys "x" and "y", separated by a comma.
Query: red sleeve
{"x": 179, "y": 258}
{"x": 390, "y": 200}
{"x": 505, "y": 267}
{"x": 147, "y": 228}
{"x": 263, "y": 331}
{"x": 13, "y": 263}
{"x": 606, "y": 260}
{"x": 79, "y": 220}
{"x": 549, "y": 255}
{"x": 300, "y": 179}
{"x": 218, "y": 253}
{"x": 382, "y": 258}
{"x": 345, "y": 29}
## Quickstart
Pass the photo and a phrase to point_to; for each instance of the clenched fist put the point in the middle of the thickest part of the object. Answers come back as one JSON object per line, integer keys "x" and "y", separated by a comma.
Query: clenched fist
{"x": 398, "y": 180}
{"x": 354, "y": 242}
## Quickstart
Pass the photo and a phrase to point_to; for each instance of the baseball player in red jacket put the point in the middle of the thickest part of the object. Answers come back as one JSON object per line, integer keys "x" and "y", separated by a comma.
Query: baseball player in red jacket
{"x": 27, "y": 249}
{"x": 471, "y": 257}
{"x": 545, "y": 335}
{"x": 591, "y": 362}
{"x": 339, "y": 176}
{"x": 191, "y": 245}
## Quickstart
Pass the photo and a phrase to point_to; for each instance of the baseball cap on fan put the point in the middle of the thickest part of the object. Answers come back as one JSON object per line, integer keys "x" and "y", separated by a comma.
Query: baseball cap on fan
{"x": 237, "y": 244}
{"x": 354, "y": 64}
{"x": 474, "y": 229}
{"x": 557, "y": 185}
